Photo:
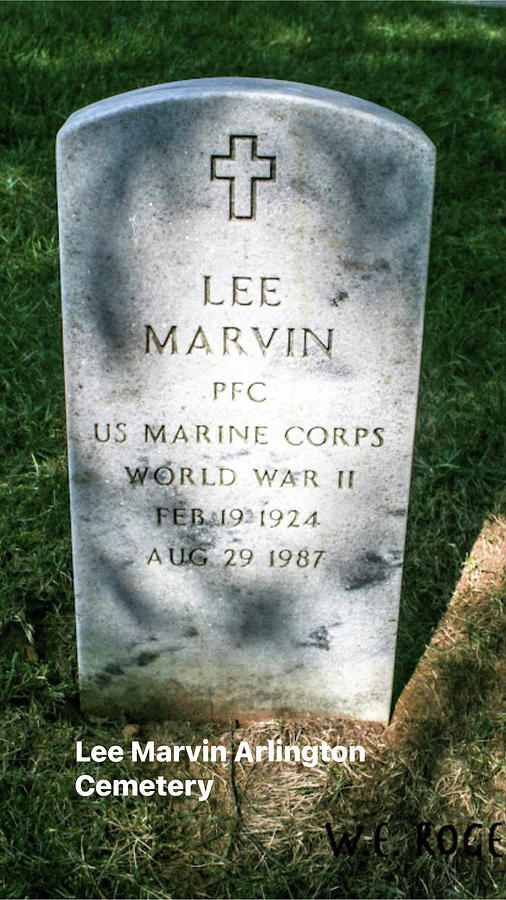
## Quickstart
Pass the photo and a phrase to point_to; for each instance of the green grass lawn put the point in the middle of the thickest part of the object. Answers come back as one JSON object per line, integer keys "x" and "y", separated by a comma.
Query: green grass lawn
{"x": 440, "y": 65}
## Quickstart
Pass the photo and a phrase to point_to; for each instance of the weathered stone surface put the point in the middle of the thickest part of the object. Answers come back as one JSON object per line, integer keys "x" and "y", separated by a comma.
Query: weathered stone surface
{"x": 243, "y": 268}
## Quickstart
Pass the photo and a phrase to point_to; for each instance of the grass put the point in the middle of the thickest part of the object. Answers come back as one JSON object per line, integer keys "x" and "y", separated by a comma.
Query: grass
{"x": 442, "y": 66}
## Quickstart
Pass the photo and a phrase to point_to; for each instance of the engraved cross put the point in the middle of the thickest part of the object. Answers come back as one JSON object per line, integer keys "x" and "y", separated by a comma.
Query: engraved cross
{"x": 242, "y": 168}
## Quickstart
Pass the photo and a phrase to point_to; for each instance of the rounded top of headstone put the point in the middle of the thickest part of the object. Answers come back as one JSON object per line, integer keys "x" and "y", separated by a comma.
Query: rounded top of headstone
{"x": 202, "y": 88}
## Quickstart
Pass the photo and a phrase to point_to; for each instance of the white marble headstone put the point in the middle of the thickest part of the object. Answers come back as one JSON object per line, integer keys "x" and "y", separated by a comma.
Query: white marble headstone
{"x": 243, "y": 268}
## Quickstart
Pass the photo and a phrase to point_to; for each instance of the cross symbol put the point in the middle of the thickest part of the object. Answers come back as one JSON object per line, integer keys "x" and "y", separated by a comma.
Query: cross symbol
{"x": 242, "y": 168}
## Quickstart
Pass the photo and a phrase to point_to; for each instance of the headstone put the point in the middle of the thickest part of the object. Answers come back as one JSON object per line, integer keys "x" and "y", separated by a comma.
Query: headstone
{"x": 243, "y": 268}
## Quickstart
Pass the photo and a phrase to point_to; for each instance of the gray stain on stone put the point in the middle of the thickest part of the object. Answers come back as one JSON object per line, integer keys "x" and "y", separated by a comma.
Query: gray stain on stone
{"x": 339, "y": 297}
{"x": 146, "y": 657}
{"x": 367, "y": 569}
{"x": 113, "y": 669}
{"x": 318, "y": 638}
{"x": 190, "y": 632}
{"x": 258, "y": 619}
